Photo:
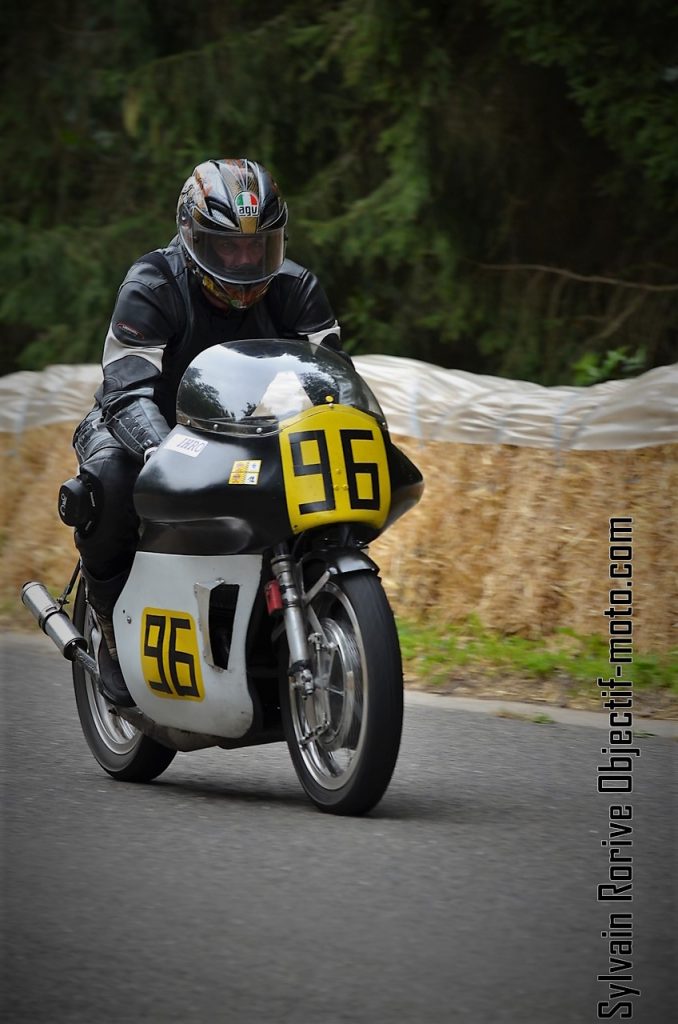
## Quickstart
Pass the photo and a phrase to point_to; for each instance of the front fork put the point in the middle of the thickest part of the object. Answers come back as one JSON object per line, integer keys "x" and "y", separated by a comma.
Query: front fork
{"x": 294, "y": 618}
{"x": 292, "y": 601}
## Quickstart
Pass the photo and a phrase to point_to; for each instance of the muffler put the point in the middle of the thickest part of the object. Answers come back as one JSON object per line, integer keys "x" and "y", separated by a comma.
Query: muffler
{"x": 55, "y": 623}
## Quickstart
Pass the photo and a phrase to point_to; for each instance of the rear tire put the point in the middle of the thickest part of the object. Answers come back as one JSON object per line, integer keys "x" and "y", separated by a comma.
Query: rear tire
{"x": 121, "y": 750}
{"x": 357, "y": 711}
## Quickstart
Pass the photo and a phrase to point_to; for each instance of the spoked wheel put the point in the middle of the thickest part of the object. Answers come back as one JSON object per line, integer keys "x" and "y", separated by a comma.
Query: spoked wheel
{"x": 344, "y": 737}
{"x": 121, "y": 750}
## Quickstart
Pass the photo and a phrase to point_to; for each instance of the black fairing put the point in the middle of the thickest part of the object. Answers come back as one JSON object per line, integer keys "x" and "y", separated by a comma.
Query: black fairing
{"x": 407, "y": 483}
{"x": 231, "y": 404}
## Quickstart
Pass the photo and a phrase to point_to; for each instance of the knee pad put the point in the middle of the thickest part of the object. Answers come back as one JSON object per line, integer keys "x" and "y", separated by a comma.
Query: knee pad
{"x": 100, "y": 496}
{"x": 76, "y": 505}
{"x": 79, "y": 500}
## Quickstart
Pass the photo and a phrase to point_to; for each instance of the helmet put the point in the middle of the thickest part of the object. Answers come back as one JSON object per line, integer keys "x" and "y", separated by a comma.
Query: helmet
{"x": 231, "y": 220}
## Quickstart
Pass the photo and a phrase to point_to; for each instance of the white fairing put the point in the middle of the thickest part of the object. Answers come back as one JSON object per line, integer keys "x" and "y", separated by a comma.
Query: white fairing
{"x": 178, "y": 584}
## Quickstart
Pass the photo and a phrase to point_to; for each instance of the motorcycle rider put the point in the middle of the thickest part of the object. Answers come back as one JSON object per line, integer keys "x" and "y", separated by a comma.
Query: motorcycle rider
{"x": 223, "y": 277}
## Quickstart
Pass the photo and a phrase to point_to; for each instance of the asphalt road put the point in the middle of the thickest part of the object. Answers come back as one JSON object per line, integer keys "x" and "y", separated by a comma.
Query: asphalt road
{"x": 219, "y": 894}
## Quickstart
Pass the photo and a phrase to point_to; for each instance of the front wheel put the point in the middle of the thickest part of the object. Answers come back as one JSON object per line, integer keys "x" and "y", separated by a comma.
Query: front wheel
{"x": 121, "y": 750}
{"x": 344, "y": 737}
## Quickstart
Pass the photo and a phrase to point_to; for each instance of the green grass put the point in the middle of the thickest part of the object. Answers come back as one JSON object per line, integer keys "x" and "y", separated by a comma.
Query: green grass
{"x": 435, "y": 652}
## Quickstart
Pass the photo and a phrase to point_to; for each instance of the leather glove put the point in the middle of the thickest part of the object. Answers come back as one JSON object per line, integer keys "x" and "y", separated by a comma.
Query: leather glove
{"x": 139, "y": 427}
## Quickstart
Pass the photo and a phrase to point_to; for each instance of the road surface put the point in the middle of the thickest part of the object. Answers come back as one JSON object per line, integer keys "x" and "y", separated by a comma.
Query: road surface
{"x": 218, "y": 893}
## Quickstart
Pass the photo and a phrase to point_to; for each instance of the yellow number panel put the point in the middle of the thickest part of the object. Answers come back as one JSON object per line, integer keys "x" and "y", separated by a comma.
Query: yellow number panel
{"x": 335, "y": 468}
{"x": 170, "y": 659}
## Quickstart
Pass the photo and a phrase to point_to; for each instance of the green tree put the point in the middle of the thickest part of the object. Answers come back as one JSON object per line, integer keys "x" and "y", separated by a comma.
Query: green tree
{"x": 483, "y": 185}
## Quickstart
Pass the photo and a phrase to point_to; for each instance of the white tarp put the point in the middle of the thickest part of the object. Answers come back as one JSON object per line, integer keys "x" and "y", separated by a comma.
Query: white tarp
{"x": 434, "y": 404}
{"x": 430, "y": 403}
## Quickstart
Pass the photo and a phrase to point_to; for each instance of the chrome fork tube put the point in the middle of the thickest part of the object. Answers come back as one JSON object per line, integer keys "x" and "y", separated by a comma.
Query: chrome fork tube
{"x": 294, "y": 618}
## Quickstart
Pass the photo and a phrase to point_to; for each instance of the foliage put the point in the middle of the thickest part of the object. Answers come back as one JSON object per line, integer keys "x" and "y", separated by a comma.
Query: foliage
{"x": 475, "y": 184}
{"x": 618, "y": 65}
{"x": 617, "y": 362}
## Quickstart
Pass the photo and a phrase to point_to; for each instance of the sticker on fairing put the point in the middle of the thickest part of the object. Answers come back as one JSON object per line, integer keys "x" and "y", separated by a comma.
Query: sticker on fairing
{"x": 185, "y": 445}
{"x": 170, "y": 656}
{"x": 244, "y": 472}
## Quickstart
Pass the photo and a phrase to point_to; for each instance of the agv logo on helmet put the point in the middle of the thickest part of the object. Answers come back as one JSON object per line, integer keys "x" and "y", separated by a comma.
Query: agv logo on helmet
{"x": 247, "y": 204}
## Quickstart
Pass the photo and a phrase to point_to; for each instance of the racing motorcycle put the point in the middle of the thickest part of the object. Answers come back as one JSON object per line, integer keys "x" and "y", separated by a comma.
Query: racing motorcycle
{"x": 253, "y": 613}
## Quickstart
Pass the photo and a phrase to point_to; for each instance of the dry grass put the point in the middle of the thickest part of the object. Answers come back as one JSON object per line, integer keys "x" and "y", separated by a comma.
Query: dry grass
{"x": 518, "y": 536}
{"x": 34, "y": 543}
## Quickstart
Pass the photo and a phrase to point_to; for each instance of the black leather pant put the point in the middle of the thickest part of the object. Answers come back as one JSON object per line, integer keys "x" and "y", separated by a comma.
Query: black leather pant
{"x": 107, "y": 549}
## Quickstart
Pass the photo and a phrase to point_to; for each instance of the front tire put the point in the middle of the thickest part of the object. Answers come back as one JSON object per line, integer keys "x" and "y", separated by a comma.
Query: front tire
{"x": 344, "y": 738}
{"x": 121, "y": 750}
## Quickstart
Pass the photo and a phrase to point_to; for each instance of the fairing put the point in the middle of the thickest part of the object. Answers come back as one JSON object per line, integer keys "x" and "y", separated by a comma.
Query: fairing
{"x": 274, "y": 438}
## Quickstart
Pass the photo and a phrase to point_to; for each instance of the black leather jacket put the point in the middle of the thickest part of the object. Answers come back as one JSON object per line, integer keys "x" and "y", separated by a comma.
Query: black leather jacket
{"x": 160, "y": 323}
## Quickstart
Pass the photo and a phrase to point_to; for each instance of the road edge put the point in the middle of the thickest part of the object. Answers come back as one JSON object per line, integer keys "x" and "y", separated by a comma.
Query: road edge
{"x": 537, "y": 713}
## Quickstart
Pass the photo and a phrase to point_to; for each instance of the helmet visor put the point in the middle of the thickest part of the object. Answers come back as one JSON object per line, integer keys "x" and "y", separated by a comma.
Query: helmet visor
{"x": 234, "y": 257}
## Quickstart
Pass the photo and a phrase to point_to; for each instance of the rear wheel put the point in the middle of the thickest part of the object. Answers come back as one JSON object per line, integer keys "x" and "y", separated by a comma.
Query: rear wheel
{"x": 344, "y": 737}
{"x": 121, "y": 750}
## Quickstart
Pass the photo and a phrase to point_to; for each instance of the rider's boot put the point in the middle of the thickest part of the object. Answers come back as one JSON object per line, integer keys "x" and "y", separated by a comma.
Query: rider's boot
{"x": 102, "y": 595}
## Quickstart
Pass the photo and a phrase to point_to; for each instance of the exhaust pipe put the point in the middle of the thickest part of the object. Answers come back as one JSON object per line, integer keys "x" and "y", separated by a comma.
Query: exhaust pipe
{"x": 54, "y": 622}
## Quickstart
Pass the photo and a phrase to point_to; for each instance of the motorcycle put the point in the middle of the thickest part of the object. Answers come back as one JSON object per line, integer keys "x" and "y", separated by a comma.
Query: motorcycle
{"x": 253, "y": 613}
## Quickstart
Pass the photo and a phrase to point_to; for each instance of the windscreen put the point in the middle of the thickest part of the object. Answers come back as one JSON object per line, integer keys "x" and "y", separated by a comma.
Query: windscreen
{"x": 249, "y": 387}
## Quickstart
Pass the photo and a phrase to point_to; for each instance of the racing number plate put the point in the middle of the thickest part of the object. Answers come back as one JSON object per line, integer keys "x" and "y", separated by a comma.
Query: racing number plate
{"x": 170, "y": 660}
{"x": 335, "y": 468}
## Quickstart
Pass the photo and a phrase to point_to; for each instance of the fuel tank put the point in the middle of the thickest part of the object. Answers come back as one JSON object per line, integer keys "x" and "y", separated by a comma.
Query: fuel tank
{"x": 212, "y": 494}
